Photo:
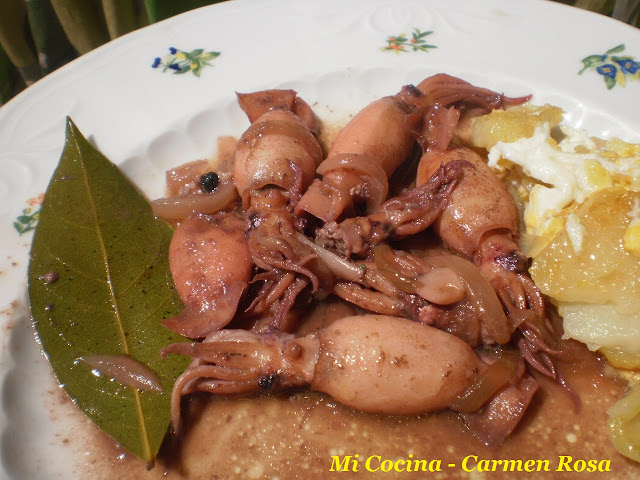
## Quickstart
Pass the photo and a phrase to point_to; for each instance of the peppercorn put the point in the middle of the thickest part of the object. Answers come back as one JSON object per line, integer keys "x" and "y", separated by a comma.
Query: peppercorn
{"x": 209, "y": 181}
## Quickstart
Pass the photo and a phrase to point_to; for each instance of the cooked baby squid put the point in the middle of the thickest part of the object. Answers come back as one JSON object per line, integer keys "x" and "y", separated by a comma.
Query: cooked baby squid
{"x": 481, "y": 222}
{"x": 354, "y": 176}
{"x": 211, "y": 267}
{"x": 411, "y": 212}
{"x": 372, "y": 363}
{"x": 413, "y": 350}
{"x": 275, "y": 162}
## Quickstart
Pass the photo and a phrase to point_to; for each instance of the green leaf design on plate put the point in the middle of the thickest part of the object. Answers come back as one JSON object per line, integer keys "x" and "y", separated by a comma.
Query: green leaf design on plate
{"x": 616, "y": 49}
{"x": 609, "y": 82}
{"x": 180, "y": 62}
{"x": 107, "y": 254}
{"x": 591, "y": 60}
{"x": 614, "y": 69}
{"x": 401, "y": 43}
{"x": 209, "y": 55}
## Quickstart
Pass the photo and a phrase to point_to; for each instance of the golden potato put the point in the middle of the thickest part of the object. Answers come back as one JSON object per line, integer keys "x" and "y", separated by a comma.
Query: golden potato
{"x": 513, "y": 124}
{"x": 603, "y": 270}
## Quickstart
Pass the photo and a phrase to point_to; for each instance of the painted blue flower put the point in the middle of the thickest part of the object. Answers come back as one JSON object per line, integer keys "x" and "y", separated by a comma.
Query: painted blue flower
{"x": 608, "y": 70}
{"x": 628, "y": 66}
{"x": 614, "y": 68}
{"x": 180, "y": 62}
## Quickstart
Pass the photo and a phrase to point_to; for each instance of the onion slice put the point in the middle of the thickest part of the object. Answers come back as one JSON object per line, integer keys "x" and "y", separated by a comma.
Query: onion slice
{"x": 441, "y": 286}
{"x": 404, "y": 271}
{"x": 179, "y": 207}
{"x": 495, "y": 325}
{"x": 340, "y": 267}
{"x": 502, "y": 413}
{"x": 125, "y": 370}
{"x": 398, "y": 269}
{"x": 487, "y": 384}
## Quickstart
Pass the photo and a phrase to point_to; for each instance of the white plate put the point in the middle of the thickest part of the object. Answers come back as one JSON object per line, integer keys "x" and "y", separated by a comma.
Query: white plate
{"x": 333, "y": 52}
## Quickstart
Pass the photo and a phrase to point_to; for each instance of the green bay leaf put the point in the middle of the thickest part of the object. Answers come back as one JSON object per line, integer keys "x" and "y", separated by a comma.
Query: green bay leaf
{"x": 99, "y": 242}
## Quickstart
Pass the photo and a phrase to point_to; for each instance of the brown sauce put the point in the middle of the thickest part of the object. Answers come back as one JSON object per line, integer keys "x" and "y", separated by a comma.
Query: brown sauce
{"x": 296, "y": 436}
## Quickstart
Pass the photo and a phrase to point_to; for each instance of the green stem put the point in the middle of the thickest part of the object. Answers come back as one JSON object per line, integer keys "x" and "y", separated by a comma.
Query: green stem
{"x": 120, "y": 16}
{"x": 160, "y": 9}
{"x": 15, "y": 40}
{"x": 601, "y": 6}
{"x": 6, "y": 80}
{"x": 83, "y": 22}
{"x": 52, "y": 46}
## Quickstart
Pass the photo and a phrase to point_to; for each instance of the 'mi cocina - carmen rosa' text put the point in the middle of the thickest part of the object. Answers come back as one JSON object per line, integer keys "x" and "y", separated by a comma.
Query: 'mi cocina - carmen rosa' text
{"x": 470, "y": 463}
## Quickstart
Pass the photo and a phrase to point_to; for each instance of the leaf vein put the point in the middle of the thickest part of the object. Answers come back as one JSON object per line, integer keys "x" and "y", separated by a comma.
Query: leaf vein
{"x": 94, "y": 212}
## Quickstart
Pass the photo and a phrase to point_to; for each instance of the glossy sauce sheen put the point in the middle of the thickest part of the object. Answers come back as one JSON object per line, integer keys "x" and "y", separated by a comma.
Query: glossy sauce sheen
{"x": 290, "y": 436}
{"x": 295, "y": 436}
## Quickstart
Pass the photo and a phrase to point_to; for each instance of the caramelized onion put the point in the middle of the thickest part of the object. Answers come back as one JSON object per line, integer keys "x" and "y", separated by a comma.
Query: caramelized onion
{"x": 339, "y": 267}
{"x": 183, "y": 189}
{"x": 487, "y": 383}
{"x": 125, "y": 370}
{"x": 481, "y": 293}
{"x": 502, "y": 413}
{"x": 399, "y": 273}
{"x": 403, "y": 271}
{"x": 441, "y": 286}
{"x": 177, "y": 208}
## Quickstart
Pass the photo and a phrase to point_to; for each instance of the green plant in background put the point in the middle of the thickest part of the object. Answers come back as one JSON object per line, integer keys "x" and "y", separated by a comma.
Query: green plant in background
{"x": 5, "y": 77}
{"x": 38, "y": 36}
{"x": 161, "y": 9}
{"x": 50, "y": 41}
{"x": 121, "y": 16}
{"x": 83, "y": 22}
{"x": 16, "y": 39}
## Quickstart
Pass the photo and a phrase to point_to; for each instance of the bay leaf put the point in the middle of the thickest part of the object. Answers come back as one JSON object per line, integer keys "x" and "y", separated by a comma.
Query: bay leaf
{"x": 99, "y": 283}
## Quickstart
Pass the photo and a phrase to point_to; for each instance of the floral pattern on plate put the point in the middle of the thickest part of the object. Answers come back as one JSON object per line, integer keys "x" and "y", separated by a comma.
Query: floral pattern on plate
{"x": 402, "y": 42}
{"x": 160, "y": 121}
{"x": 29, "y": 219}
{"x": 615, "y": 69}
{"x": 180, "y": 61}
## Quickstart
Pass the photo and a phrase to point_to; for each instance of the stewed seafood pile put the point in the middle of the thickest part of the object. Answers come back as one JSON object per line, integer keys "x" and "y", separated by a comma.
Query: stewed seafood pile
{"x": 401, "y": 224}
